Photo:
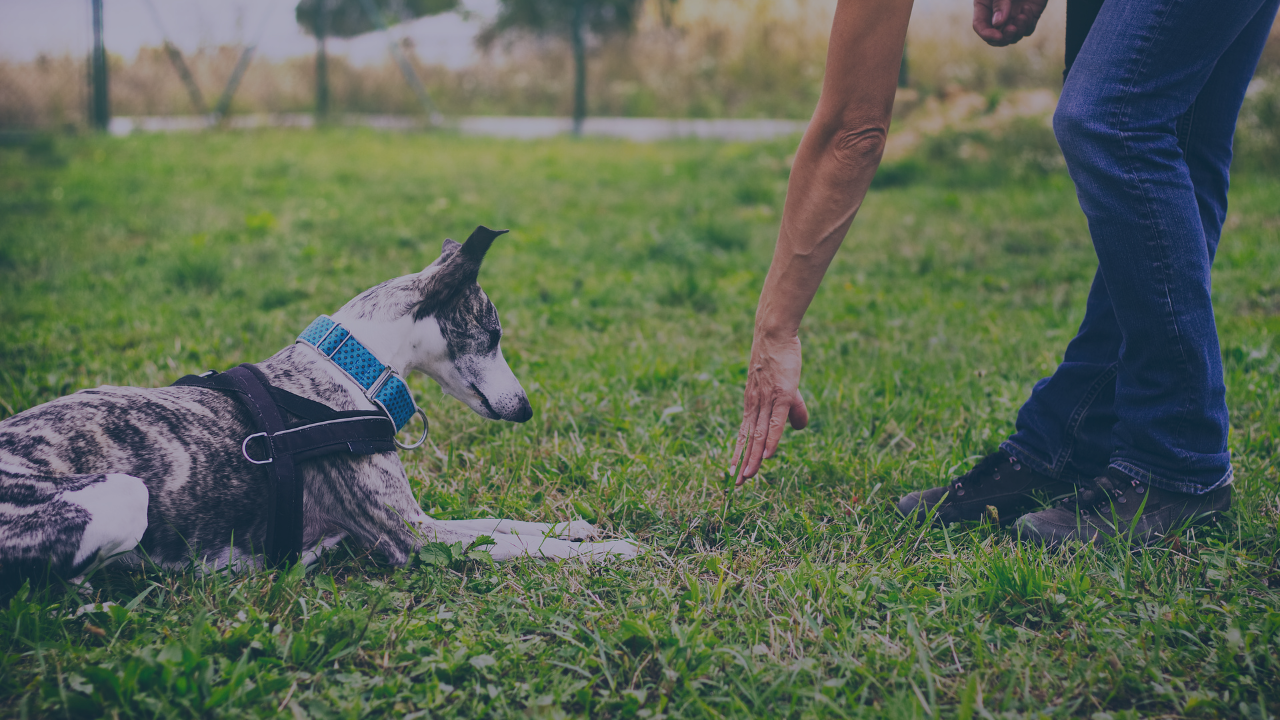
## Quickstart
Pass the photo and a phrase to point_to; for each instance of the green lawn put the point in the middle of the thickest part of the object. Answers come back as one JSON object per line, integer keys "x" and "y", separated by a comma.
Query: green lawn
{"x": 627, "y": 288}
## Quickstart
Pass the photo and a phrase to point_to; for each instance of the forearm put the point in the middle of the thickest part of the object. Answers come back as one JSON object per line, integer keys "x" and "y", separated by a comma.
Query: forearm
{"x": 832, "y": 171}
{"x": 837, "y": 157}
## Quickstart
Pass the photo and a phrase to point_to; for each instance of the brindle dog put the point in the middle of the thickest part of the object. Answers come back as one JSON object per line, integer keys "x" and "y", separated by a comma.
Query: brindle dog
{"x": 127, "y": 474}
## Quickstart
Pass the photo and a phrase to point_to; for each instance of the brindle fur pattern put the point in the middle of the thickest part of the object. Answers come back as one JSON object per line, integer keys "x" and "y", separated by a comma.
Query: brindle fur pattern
{"x": 206, "y": 503}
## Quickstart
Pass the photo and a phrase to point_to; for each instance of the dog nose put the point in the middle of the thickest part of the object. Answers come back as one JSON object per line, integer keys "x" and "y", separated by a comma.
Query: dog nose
{"x": 523, "y": 412}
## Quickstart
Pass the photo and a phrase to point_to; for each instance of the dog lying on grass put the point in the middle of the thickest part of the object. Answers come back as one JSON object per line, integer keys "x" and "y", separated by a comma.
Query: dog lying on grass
{"x": 167, "y": 474}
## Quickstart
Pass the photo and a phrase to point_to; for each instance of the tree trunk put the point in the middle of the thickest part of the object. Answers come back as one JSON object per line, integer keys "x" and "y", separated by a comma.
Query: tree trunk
{"x": 321, "y": 24}
{"x": 100, "y": 109}
{"x": 576, "y": 33}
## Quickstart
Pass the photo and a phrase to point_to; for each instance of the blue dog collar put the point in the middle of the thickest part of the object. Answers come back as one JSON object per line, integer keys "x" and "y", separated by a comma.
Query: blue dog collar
{"x": 380, "y": 383}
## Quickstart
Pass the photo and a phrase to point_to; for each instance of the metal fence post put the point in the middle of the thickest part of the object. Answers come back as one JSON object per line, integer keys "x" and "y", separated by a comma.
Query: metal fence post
{"x": 100, "y": 107}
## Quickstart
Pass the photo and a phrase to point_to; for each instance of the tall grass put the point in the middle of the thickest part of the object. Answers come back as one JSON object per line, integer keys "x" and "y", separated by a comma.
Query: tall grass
{"x": 627, "y": 290}
{"x": 708, "y": 58}
{"x": 694, "y": 58}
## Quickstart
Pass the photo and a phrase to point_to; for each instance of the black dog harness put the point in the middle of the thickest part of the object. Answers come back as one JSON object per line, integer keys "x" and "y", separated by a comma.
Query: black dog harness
{"x": 320, "y": 431}
{"x": 281, "y": 445}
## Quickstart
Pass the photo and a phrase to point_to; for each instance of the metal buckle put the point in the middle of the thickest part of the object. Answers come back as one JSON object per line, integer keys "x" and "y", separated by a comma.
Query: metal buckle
{"x": 244, "y": 449}
{"x": 426, "y": 426}
{"x": 324, "y": 337}
{"x": 387, "y": 372}
{"x": 336, "y": 349}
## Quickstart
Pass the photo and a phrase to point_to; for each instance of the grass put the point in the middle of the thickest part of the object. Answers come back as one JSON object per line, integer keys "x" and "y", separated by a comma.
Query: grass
{"x": 627, "y": 289}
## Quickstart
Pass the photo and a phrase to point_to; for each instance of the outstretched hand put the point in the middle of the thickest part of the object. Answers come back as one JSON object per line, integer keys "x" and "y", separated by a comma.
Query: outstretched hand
{"x": 1005, "y": 22}
{"x": 772, "y": 398}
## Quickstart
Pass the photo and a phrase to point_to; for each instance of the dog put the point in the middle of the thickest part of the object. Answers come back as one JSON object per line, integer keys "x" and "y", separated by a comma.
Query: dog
{"x": 165, "y": 475}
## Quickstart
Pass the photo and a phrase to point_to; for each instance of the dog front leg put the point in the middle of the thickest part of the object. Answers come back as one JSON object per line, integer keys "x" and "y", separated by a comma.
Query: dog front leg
{"x": 572, "y": 530}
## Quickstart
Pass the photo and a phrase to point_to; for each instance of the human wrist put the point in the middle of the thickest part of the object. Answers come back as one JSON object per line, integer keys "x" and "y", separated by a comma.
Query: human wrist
{"x": 774, "y": 331}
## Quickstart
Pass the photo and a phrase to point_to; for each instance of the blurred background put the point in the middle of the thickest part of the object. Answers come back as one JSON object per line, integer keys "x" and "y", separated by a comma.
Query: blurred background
{"x": 410, "y": 63}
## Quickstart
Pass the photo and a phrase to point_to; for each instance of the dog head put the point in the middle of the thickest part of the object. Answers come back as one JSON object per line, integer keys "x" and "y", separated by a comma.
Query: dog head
{"x": 442, "y": 324}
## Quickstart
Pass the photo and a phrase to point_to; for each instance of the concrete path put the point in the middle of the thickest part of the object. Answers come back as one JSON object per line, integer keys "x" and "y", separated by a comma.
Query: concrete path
{"x": 526, "y": 128}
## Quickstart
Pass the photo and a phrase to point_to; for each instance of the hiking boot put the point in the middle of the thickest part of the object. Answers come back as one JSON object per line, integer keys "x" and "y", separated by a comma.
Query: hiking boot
{"x": 999, "y": 480}
{"x": 1118, "y": 505}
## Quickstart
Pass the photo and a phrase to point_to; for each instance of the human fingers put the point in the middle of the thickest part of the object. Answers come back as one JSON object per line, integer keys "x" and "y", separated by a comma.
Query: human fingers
{"x": 777, "y": 422}
{"x": 1027, "y": 17}
{"x": 739, "y": 447}
{"x": 750, "y": 411}
{"x": 1000, "y": 12}
{"x": 982, "y": 23}
{"x": 756, "y": 443}
{"x": 799, "y": 414}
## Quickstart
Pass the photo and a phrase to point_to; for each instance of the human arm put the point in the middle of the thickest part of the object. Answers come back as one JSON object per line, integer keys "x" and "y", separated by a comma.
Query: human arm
{"x": 833, "y": 168}
{"x": 1004, "y": 22}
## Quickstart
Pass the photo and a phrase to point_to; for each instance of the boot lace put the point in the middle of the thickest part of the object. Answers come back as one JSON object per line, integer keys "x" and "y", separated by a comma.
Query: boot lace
{"x": 988, "y": 467}
{"x": 1100, "y": 490}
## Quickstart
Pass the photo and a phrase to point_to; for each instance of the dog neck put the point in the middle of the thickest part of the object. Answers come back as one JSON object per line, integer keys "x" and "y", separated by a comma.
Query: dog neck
{"x": 402, "y": 343}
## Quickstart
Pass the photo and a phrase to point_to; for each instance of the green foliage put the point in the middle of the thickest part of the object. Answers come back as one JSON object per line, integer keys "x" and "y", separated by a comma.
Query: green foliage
{"x": 627, "y": 291}
{"x": 1024, "y": 151}
{"x": 1258, "y": 133}
{"x": 557, "y": 17}
{"x": 438, "y": 554}
{"x": 348, "y": 18}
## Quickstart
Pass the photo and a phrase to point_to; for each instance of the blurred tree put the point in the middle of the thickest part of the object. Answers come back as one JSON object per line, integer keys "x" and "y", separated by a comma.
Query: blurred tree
{"x": 349, "y": 18}
{"x": 570, "y": 19}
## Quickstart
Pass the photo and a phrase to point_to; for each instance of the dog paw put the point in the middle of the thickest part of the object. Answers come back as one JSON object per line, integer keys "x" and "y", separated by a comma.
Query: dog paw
{"x": 507, "y": 547}
{"x": 576, "y": 530}
{"x": 609, "y": 550}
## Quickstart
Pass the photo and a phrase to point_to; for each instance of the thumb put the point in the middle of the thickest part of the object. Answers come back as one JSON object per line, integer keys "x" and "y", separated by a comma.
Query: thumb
{"x": 799, "y": 414}
{"x": 999, "y": 12}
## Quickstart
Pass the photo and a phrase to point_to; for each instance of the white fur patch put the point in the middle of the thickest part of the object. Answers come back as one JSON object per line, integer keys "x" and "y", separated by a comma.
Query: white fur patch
{"x": 513, "y": 546}
{"x": 573, "y": 530}
{"x": 117, "y": 508}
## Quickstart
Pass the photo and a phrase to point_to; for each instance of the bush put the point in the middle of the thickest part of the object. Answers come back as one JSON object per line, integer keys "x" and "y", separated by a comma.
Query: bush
{"x": 1023, "y": 150}
{"x": 1257, "y": 144}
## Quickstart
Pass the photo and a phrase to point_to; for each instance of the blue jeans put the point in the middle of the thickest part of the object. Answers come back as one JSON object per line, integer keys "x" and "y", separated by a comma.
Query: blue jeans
{"x": 1145, "y": 122}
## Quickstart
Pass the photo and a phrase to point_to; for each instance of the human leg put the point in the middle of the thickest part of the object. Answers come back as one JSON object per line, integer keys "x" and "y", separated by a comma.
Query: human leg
{"x": 1139, "y": 72}
{"x": 1162, "y": 474}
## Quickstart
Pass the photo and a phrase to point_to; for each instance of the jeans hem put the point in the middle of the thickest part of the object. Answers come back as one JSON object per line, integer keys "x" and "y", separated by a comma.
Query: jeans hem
{"x": 1034, "y": 460}
{"x": 1178, "y": 486}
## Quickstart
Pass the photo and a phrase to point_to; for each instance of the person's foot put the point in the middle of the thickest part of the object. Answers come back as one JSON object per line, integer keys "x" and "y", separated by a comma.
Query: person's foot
{"x": 1118, "y": 505}
{"x": 999, "y": 480}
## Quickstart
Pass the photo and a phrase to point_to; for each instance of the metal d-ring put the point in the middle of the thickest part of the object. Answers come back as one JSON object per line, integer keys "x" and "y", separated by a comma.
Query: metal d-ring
{"x": 426, "y": 428}
{"x": 244, "y": 449}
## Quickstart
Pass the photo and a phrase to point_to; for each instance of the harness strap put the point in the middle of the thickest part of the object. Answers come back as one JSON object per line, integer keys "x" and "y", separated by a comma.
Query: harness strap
{"x": 327, "y": 431}
{"x": 284, "y": 503}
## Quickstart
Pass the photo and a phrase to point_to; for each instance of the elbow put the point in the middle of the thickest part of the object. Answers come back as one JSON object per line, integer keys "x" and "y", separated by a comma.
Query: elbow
{"x": 850, "y": 140}
{"x": 858, "y": 145}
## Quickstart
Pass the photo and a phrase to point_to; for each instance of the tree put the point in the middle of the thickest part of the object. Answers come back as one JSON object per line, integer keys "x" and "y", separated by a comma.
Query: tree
{"x": 349, "y": 18}
{"x": 568, "y": 19}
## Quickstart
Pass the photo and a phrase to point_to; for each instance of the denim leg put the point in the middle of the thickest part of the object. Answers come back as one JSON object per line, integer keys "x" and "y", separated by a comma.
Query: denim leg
{"x": 1205, "y": 131}
{"x": 1140, "y": 71}
{"x": 1064, "y": 428}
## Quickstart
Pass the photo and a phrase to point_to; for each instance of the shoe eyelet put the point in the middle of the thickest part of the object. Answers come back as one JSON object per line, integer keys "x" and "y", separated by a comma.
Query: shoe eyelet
{"x": 959, "y": 492}
{"x": 1141, "y": 489}
{"x": 995, "y": 476}
{"x": 1017, "y": 466}
{"x": 1121, "y": 499}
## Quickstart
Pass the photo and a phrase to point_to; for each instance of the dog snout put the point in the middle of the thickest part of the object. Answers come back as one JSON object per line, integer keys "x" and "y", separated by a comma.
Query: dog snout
{"x": 523, "y": 411}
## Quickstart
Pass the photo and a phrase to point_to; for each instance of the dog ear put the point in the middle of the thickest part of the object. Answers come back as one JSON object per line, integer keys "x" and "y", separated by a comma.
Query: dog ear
{"x": 449, "y": 247}
{"x": 457, "y": 268}
{"x": 478, "y": 244}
